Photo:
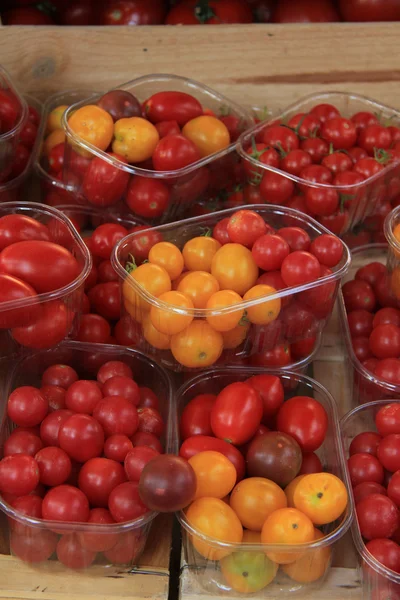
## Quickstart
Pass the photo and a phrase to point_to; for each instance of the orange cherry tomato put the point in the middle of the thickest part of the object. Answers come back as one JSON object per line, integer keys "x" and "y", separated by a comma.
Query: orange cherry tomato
{"x": 254, "y": 499}
{"x": 234, "y": 268}
{"x": 396, "y": 234}
{"x": 198, "y": 253}
{"x": 166, "y": 320}
{"x": 289, "y": 490}
{"x": 233, "y": 338}
{"x": 208, "y": 134}
{"x": 169, "y": 256}
{"x": 265, "y": 312}
{"x": 215, "y": 474}
{"x": 152, "y": 278}
{"x": 213, "y": 518}
{"x": 177, "y": 281}
{"x": 251, "y": 537}
{"x": 321, "y": 496}
{"x": 247, "y": 571}
{"x": 199, "y": 286}
{"x": 224, "y": 321}
{"x": 54, "y": 119}
{"x": 154, "y": 337}
{"x": 312, "y": 565}
{"x": 199, "y": 345}
{"x": 286, "y": 526}
{"x": 56, "y": 137}
{"x": 93, "y": 125}
{"x": 135, "y": 139}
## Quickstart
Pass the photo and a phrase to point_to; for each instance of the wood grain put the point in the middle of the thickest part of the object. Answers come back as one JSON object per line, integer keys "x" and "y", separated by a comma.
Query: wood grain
{"x": 253, "y": 64}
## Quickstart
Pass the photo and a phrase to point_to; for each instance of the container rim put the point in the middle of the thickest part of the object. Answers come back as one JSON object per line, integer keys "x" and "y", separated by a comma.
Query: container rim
{"x": 24, "y": 107}
{"x": 388, "y": 228}
{"x": 371, "y": 561}
{"x": 249, "y": 134}
{"x": 16, "y": 181}
{"x": 65, "y": 526}
{"x": 28, "y": 208}
{"x": 205, "y": 219}
{"x": 331, "y": 537}
{"x": 47, "y": 108}
{"x": 385, "y": 385}
{"x": 243, "y": 114}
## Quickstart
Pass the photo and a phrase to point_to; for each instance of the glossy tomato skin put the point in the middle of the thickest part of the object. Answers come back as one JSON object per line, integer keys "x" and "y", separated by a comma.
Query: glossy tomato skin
{"x": 133, "y": 12}
{"x": 387, "y": 419}
{"x": 305, "y": 11}
{"x": 52, "y": 326}
{"x": 196, "y": 416}
{"x": 377, "y": 516}
{"x": 98, "y": 477}
{"x": 14, "y": 289}
{"x": 271, "y": 391}
{"x": 202, "y": 443}
{"x": 370, "y": 10}
{"x": 19, "y": 228}
{"x": 237, "y": 413}
{"x": 26, "y": 16}
{"x": 174, "y": 152}
{"x": 147, "y": 197}
{"x": 213, "y": 13}
{"x": 19, "y": 474}
{"x": 172, "y": 106}
{"x": 305, "y": 420}
{"x": 104, "y": 183}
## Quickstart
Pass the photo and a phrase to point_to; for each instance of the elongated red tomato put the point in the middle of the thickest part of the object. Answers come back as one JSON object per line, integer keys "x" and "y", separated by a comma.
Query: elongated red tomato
{"x": 237, "y": 413}
{"x": 172, "y": 106}
{"x": 12, "y": 289}
{"x": 49, "y": 329}
{"x": 17, "y": 228}
{"x": 201, "y": 443}
{"x": 44, "y": 265}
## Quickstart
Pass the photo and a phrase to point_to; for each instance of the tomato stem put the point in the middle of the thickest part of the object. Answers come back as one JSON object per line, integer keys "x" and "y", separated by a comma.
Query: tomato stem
{"x": 131, "y": 264}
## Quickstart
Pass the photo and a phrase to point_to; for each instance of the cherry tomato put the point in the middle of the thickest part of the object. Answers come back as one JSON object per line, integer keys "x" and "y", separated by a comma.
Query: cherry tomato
{"x": 365, "y": 442}
{"x": 136, "y": 460}
{"x": 105, "y": 300}
{"x": 72, "y": 554}
{"x": 387, "y": 419}
{"x": 33, "y": 545}
{"x": 384, "y": 341}
{"x": 373, "y": 137}
{"x": 98, "y": 477}
{"x": 27, "y": 407}
{"x": 305, "y": 11}
{"x": 245, "y": 227}
{"x": 92, "y": 124}
{"x": 202, "y": 443}
{"x": 196, "y": 416}
{"x": 316, "y": 147}
{"x": 369, "y": 10}
{"x": 22, "y": 442}
{"x": 305, "y": 420}
{"x": 125, "y": 503}
{"x": 51, "y": 424}
{"x": 54, "y": 466}
{"x": 358, "y": 294}
{"x": 82, "y": 396}
{"x": 104, "y": 183}
{"x": 19, "y": 474}
{"x": 311, "y": 464}
{"x": 364, "y": 467}
{"x": 360, "y": 322}
{"x": 300, "y": 267}
{"x": 389, "y": 452}
{"x": 141, "y": 438}
{"x": 214, "y": 13}
{"x": 147, "y": 197}
{"x": 99, "y": 542}
{"x": 120, "y": 104}
{"x": 93, "y": 328}
{"x": 82, "y": 437}
{"x": 377, "y": 516}
{"x": 367, "y": 488}
{"x": 116, "y": 415}
{"x": 271, "y": 391}
{"x": 60, "y": 375}
{"x": 275, "y": 188}
{"x": 208, "y": 134}
{"x": 269, "y": 252}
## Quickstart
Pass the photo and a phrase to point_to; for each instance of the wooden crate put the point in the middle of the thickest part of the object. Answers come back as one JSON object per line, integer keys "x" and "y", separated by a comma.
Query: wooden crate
{"x": 148, "y": 581}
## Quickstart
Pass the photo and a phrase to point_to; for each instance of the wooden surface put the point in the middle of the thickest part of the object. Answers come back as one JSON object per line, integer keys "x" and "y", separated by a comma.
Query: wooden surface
{"x": 343, "y": 582}
{"x": 253, "y": 64}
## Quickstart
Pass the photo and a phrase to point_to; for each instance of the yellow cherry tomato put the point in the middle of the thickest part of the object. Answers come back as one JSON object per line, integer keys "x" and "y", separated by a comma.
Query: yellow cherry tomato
{"x": 152, "y": 278}
{"x": 169, "y": 256}
{"x": 321, "y": 496}
{"x": 254, "y": 499}
{"x": 56, "y": 137}
{"x": 198, "y": 253}
{"x": 135, "y": 139}
{"x": 166, "y": 320}
{"x": 199, "y": 345}
{"x": 199, "y": 286}
{"x": 176, "y": 282}
{"x": 233, "y": 338}
{"x": 286, "y": 526}
{"x": 93, "y": 125}
{"x": 225, "y": 321}
{"x": 215, "y": 474}
{"x": 290, "y": 488}
{"x": 265, "y": 312}
{"x": 214, "y": 518}
{"x": 208, "y": 134}
{"x": 154, "y": 337}
{"x": 312, "y": 565}
{"x": 54, "y": 119}
{"x": 234, "y": 268}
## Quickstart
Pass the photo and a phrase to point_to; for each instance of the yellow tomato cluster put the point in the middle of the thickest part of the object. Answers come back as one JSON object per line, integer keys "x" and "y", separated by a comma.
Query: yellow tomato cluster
{"x": 54, "y": 132}
{"x": 257, "y": 511}
{"x": 135, "y": 138}
{"x": 203, "y": 276}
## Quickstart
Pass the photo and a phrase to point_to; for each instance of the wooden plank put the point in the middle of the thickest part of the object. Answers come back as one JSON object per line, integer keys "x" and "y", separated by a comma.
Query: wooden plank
{"x": 253, "y": 64}
{"x": 341, "y": 584}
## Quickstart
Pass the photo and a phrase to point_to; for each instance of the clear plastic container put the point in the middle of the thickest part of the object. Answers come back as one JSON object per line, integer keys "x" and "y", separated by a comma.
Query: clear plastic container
{"x": 129, "y": 538}
{"x": 9, "y": 140}
{"x": 377, "y": 580}
{"x": 393, "y": 258}
{"x": 61, "y": 307}
{"x": 200, "y": 180}
{"x": 355, "y": 202}
{"x": 21, "y": 187}
{"x": 54, "y": 191}
{"x": 366, "y": 387}
{"x": 206, "y": 572}
{"x": 305, "y": 310}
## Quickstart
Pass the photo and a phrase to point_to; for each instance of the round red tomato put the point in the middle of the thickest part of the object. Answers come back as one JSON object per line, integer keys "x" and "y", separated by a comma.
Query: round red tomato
{"x": 174, "y": 152}
{"x": 19, "y": 474}
{"x": 125, "y": 503}
{"x": 22, "y": 442}
{"x": 387, "y": 419}
{"x": 364, "y": 467}
{"x": 377, "y": 516}
{"x": 365, "y": 442}
{"x": 305, "y": 420}
{"x": 104, "y": 183}
{"x": 133, "y": 12}
{"x": 305, "y": 11}
{"x": 300, "y": 267}
{"x": 60, "y": 375}
{"x": 370, "y": 10}
{"x": 147, "y": 197}
{"x": 51, "y": 425}
{"x": 26, "y": 406}
{"x": 65, "y": 503}
{"x": 339, "y": 132}
{"x": 105, "y": 237}
{"x": 311, "y": 464}
{"x": 196, "y": 416}
{"x": 136, "y": 460}
{"x": 33, "y": 545}
{"x": 94, "y": 328}
{"x": 82, "y": 437}
{"x": 98, "y": 477}
{"x": 116, "y": 414}
{"x": 386, "y": 552}
{"x": 366, "y": 488}
{"x": 358, "y": 294}
{"x": 237, "y": 413}
{"x": 71, "y": 553}
{"x": 245, "y": 227}
{"x": 389, "y": 452}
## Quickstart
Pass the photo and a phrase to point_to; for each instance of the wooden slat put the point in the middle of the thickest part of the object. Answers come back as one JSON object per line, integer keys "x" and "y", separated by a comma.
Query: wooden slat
{"x": 253, "y": 64}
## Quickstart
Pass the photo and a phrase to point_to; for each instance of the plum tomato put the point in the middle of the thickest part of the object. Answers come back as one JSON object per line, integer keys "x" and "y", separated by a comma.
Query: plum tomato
{"x": 305, "y": 420}
{"x": 172, "y": 106}
{"x": 237, "y": 413}
{"x": 196, "y": 416}
{"x": 271, "y": 391}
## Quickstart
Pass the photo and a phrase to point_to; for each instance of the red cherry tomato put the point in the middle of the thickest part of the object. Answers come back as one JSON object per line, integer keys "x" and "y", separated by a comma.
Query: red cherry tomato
{"x": 305, "y": 420}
